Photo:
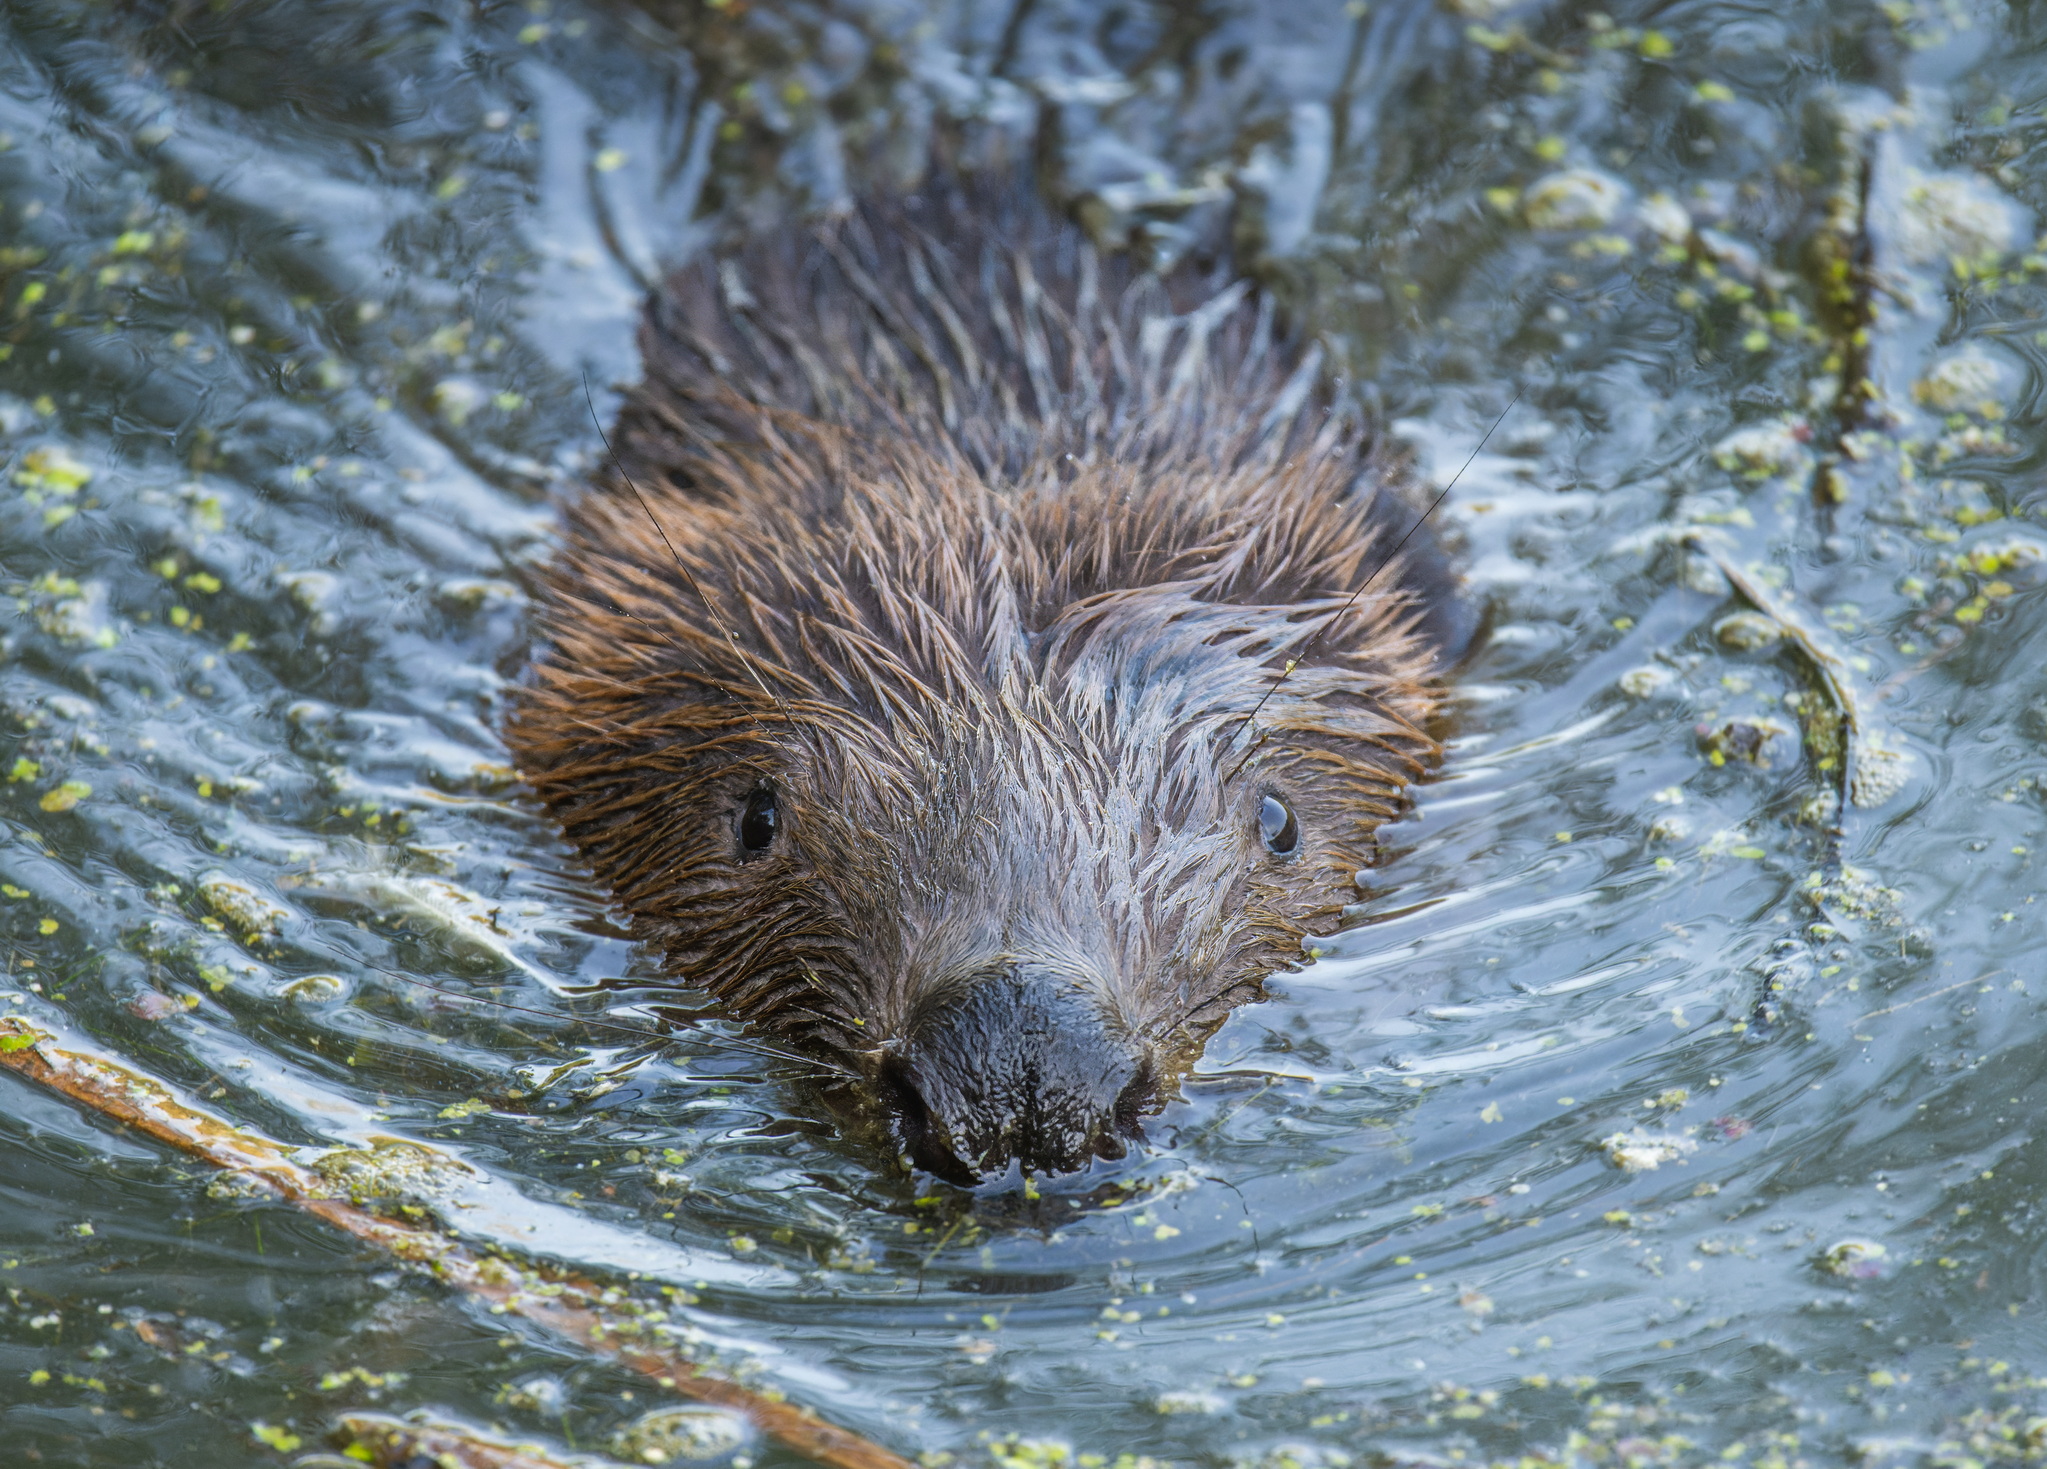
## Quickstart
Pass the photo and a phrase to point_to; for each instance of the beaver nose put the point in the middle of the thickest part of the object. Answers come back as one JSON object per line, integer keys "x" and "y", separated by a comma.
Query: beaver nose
{"x": 1023, "y": 1063}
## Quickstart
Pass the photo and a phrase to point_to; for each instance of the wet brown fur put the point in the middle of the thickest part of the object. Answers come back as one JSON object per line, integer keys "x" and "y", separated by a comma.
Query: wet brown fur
{"x": 988, "y": 549}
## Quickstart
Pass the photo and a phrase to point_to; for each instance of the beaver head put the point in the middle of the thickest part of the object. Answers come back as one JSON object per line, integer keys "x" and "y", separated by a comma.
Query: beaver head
{"x": 995, "y": 756}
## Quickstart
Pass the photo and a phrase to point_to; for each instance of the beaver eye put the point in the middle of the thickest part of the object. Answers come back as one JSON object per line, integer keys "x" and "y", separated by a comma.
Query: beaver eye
{"x": 1277, "y": 825}
{"x": 757, "y": 823}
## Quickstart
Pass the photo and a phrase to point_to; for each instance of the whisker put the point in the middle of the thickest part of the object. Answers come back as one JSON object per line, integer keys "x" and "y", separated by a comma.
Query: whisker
{"x": 1244, "y": 1073}
{"x": 1384, "y": 561}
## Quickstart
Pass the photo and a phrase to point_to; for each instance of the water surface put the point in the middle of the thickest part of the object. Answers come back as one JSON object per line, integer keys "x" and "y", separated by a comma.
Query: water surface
{"x": 296, "y": 303}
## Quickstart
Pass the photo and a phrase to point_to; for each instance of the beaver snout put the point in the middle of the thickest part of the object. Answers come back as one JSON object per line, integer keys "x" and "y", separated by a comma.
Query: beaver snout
{"x": 1023, "y": 1063}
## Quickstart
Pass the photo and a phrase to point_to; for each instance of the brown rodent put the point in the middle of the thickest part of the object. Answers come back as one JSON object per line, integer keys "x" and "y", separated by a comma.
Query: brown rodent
{"x": 905, "y": 695}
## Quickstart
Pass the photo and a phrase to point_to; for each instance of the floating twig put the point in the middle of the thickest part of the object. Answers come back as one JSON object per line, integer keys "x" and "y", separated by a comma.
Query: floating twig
{"x": 601, "y": 1320}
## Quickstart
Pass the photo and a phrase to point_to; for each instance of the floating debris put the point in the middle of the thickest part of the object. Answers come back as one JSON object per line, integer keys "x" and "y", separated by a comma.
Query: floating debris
{"x": 603, "y": 1321}
{"x": 1696, "y": 573}
{"x": 74, "y": 612}
{"x": 471, "y": 593}
{"x": 1575, "y": 199}
{"x": 241, "y": 905}
{"x": 544, "y": 1395}
{"x": 455, "y": 399}
{"x": 1642, "y": 1152}
{"x": 1747, "y": 740}
{"x": 1746, "y": 632}
{"x": 1736, "y": 257}
{"x": 65, "y": 797}
{"x": 1187, "y": 1401}
{"x": 155, "y": 1005}
{"x": 1665, "y": 218}
{"x": 2017, "y": 553}
{"x": 1969, "y": 381}
{"x": 1953, "y": 218}
{"x": 316, "y": 989}
{"x": 310, "y": 589}
{"x": 237, "y": 1183}
{"x": 1764, "y": 450}
{"x": 315, "y": 592}
{"x": 1853, "y": 893}
{"x": 1295, "y": 1456}
{"x": 389, "y": 1443}
{"x": 51, "y": 469}
{"x": 680, "y": 1436}
{"x": 1013, "y": 1451}
{"x": 1881, "y": 770}
{"x": 390, "y": 1174}
{"x": 1646, "y": 682}
{"x": 1854, "y": 1259}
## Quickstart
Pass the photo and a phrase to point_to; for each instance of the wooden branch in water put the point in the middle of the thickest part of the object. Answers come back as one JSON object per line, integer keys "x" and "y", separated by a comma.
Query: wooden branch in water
{"x": 605, "y": 1321}
{"x": 392, "y": 1443}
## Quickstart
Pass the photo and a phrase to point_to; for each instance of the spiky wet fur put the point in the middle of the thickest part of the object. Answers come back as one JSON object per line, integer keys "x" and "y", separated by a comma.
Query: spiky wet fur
{"x": 982, "y": 551}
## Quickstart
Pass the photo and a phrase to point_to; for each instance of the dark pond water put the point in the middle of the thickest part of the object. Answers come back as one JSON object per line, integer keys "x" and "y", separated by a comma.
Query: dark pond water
{"x": 295, "y": 303}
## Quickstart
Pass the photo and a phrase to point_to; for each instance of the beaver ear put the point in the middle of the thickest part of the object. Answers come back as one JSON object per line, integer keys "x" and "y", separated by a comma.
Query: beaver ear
{"x": 1277, "y": 825}
{"x": 758, "y": 823}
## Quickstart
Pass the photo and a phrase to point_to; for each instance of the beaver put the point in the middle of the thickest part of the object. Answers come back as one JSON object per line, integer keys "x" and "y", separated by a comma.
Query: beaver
{"x": 970, "y": 668}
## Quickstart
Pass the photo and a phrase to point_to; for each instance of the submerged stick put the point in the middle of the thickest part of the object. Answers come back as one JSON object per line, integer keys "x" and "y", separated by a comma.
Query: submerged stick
{"x": 598, "y": 1319}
